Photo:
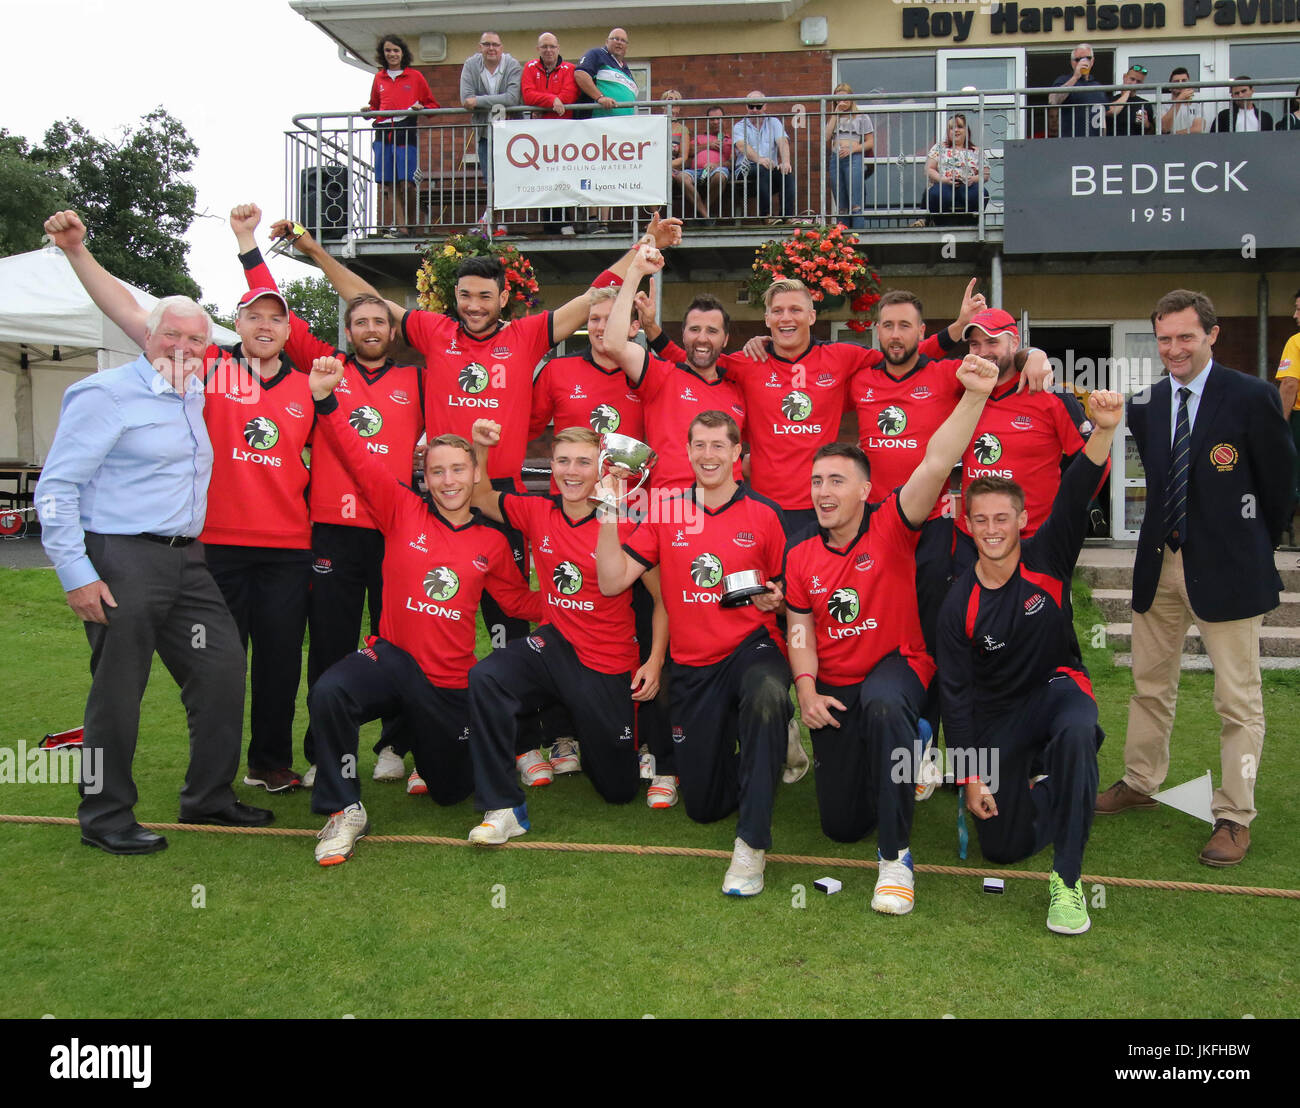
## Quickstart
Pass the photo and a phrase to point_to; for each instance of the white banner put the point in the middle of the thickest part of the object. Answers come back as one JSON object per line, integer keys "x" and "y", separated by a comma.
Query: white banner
{"x": 607, "y": 162}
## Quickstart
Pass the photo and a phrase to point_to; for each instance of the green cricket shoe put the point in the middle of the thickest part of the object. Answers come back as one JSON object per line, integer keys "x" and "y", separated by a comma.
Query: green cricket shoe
{"x": 1067, "y": 914}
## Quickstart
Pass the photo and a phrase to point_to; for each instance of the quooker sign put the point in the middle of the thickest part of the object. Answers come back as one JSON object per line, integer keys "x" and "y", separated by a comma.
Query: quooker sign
{"x": 545, "y": 163}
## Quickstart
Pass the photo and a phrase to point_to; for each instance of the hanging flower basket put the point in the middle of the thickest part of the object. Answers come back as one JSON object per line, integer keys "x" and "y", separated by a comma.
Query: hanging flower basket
{"x": 825, "y": 260}
{"x": 435, "y": 281}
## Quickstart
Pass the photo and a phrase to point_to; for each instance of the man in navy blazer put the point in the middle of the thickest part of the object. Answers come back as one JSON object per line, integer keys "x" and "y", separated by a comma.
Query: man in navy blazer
{"x": 1217, "y": 502}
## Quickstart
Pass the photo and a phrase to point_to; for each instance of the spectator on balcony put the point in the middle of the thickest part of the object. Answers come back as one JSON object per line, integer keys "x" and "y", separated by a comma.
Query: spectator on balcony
{"x": 679, "y": 134}
{"x": 1080, "y": 99}
{"x": 711, "y": 162}
{"x": 489, "y": 81}
{"x": 1185, "y": 115}
{"x": 604, "y": 78}
{"x": 548, "y": 87}
{"x": 1242, "y": 115}
{"x": 762, "y": 151}
{"x": 1129, "y": 113}
{"x": 851, "y": 139}
{"x": 1291, "y": 121}
{"x": 397, "y": 87}
{"x": 956, "y": 170}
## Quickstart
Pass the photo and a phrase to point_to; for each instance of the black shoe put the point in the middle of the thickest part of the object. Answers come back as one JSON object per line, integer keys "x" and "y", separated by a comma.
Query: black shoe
{"x": 235, "y": 815}
{"x": 130, "y": 840}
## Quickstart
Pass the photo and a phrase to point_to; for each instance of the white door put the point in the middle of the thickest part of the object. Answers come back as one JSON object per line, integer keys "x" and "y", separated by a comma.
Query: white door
{"x": 993, "y": 118}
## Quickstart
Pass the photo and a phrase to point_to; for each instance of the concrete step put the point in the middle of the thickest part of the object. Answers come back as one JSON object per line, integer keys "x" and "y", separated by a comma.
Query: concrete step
{"x": 1201, "y": 663}
{"x": 1117, "y": 606}
{"x": 1104, "y": 567}
{"x": 1274, "y": 642}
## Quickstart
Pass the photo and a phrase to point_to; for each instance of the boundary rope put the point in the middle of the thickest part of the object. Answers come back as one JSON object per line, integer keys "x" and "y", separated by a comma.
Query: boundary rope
{"x": 701, "y": 852}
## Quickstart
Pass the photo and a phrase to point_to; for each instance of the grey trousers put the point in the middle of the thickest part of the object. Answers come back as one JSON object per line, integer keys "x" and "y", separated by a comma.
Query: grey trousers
{"x": 167, "y": 602}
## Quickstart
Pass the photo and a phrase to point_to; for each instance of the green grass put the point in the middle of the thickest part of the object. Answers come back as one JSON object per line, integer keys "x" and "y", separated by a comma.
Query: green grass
{"x": 406, "y": 930}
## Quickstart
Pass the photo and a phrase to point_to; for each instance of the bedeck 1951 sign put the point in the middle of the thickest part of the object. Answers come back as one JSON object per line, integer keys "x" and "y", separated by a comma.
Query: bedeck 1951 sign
{"x": 1160, "y": 192}
{"x": 545, "y": 163}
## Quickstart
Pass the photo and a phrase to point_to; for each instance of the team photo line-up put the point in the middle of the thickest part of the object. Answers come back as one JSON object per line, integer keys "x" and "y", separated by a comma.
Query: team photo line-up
{"x": 706, "y": 546}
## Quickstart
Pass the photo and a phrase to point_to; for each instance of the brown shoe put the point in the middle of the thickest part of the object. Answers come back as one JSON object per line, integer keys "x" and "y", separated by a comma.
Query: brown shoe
{"x": 1120, "y": 798}
{"x": 1228, "y": 844}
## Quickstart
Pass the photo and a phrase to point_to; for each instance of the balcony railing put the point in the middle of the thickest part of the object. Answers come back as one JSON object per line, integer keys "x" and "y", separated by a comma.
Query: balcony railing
{"x": 332, "y": 164}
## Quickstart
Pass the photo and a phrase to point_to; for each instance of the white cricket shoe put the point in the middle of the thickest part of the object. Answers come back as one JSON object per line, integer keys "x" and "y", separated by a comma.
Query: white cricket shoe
{"x": 309, "y": 778}
{"x": 662, "y": 792}
{"x": 338, "y": 838}
{"x": 796, "y": 758}
{"x": 389, "y": 766}
{"x": 895, "y": 886}
{"x": 534, "y": 770}
{"x": 501, "y": 825}
{"x": 565, "y": 757}
{"x": 745, "y": 874}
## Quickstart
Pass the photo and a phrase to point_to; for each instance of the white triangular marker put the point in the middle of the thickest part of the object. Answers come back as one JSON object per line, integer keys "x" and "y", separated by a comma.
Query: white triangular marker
{"x": 1192, "y": 797}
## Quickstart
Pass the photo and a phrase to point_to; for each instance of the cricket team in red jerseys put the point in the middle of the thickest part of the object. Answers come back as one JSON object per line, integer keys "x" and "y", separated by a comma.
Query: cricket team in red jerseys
{"x": 804, "y": 565}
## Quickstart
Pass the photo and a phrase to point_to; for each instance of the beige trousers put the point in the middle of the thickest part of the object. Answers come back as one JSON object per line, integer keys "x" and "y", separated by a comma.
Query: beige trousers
{"x": 1233, "y": 647}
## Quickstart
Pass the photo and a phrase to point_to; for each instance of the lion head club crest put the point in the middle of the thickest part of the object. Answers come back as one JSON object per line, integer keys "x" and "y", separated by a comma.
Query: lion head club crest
{"x": 796, "y": 405}
{"x": 604, "y": 419}
{"x": 473, "y": 378}
{"x": 261, "y": 433}
{"x": 366, "y": 421}
{"x": 892, "y": 420}
{"x": 441, "y": 583}
{"x": 843, "y": 605}
{"x": 706, "y": 570}
{"x": 567, "y": 578}
{"x": 987, "y": 449}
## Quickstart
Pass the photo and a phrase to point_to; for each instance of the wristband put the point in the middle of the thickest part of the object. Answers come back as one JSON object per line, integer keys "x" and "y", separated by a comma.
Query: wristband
{"x": 607, "y": 279}
{"x": 811, "y": 675}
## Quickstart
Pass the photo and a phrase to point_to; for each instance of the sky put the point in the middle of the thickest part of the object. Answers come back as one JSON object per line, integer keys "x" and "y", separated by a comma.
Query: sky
{"x": 234, "y": 74}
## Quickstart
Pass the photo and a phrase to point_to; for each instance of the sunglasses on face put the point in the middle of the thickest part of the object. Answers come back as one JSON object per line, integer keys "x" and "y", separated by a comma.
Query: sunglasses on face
{"x": 755, "y": 107}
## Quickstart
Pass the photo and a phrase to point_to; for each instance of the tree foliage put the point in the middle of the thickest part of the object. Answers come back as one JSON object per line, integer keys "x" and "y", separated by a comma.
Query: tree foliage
{"x": 132, "y": 195}
{"x": 29, "y": 192}
{"x": 314, "y": 299}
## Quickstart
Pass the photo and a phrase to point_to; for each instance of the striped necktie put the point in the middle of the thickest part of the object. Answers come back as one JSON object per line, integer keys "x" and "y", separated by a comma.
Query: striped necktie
{"x": 1176, "y": 495}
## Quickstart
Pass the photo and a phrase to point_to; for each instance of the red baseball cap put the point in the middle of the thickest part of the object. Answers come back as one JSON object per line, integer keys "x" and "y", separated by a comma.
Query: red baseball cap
{"x": 994, "y": 322}
{"x": 257, "y": 294}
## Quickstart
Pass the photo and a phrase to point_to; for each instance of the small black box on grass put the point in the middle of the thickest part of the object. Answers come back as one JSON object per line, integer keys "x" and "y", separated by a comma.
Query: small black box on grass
{"x": 995, "y": 885}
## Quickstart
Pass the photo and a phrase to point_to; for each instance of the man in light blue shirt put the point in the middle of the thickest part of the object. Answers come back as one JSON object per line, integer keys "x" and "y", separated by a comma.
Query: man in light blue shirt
{"x": 761, "y": 149}
{"x": 122, "y": 499}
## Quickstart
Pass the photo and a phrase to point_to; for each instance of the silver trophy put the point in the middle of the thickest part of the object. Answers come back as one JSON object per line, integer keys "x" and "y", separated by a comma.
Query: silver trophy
{"x": 741, "y": 587}
{"x": 623, "y": 457}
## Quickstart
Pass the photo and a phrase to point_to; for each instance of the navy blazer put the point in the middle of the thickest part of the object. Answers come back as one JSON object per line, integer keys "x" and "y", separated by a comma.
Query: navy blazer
{"x": 1238, "y": 494}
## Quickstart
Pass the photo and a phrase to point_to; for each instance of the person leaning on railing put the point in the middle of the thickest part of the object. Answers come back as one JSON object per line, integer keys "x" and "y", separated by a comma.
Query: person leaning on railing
{"x": 955, "y": 168}
{"x": 680, "y": 137}
{"x": 851, "y": 139}
{"x": 396, "y": 87}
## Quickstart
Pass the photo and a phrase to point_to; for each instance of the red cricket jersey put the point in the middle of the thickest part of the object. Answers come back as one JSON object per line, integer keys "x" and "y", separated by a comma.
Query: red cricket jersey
{"x": 258, "y": 427}
{"x": 406, "y": 90}
{"x": 468, "y": 377}
{"x": 576, "y": 392}
{"x": 897, "y": 416}
{"x": 434, "y": 572}
{"x": 1026, "y": 437}
{"x": 674, "y": 394}
{"x": 862, "y": 598}
{"x": 696, "y": 547}
{"x": 385, "y": 408}
{"x": 793, "y": 407}
{"x": 601, "y": 629}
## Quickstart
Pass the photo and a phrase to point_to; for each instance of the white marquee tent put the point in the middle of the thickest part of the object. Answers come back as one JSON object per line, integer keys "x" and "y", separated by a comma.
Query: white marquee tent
{"x": 51, "y": 335}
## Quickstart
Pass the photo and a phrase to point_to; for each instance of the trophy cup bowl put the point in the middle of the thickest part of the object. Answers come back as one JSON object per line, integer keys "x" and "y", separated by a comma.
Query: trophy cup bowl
{"x": 738, "y": 588}
{"x": 624, "y": 457}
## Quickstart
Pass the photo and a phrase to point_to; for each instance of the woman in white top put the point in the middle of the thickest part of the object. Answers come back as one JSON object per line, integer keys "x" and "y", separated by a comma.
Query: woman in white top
{"x": 851, "y": 139}
{"x": 955, "y": 173}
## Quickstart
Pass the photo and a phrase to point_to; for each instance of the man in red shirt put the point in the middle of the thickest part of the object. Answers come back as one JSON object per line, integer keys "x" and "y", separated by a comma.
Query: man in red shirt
{"x": 386, "y": 410}
{"x": 548, "y": 85}
{"x": 584, "y": 655}
{"x": 730, "y": 681}
{"x": 860, "y": 662}
{"x": 437, "y": 558}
